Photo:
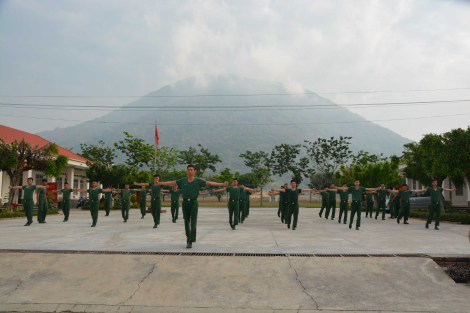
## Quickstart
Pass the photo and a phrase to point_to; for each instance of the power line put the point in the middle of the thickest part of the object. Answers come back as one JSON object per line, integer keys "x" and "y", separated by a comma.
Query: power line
{"x": 214, "y": 108}
{"x": 241, "y": 95}
{"x": 241, "y": 124}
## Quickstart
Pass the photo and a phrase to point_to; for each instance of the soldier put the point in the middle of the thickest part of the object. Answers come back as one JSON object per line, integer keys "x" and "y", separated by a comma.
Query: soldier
{"x": 107, "y": 201}
{"x": 356, "y": 206}
{"x": 370, "y": 203}
{"x": 325, "y": 198}
{"x": 393, "y": 198}
{"x": 343, "y": 205}
{"x": 280, "y": 201}
{"x": 293, "y": 200}
{"x": 65, "y": 200}
{"x": 331, "y": 202}
{"x": 94, "y": 192}
{"x": 235, "y": 205}
{"x": 143, "y": 200}
{"x": 190, "y": 191}
{"x": 382, "y": 200}
{"x": 405, "y": 202}
{"x": 126, "y": 199}
{"x": 41, "y": 202}
{"x": 28, "y": 202}
{"x": 435, "y": 207}
{"x": 155, "y": 201}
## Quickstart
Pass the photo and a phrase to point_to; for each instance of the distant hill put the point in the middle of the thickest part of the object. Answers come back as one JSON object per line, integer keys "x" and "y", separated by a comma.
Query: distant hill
{"x": 228, "y": 140}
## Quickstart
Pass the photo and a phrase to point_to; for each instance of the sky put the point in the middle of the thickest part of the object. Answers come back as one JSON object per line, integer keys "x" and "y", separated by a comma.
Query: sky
{"x": 120, "y": 47}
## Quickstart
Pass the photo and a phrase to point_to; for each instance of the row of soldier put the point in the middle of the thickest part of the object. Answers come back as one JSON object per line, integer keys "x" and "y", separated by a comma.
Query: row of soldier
{"x": 238, "y": 203}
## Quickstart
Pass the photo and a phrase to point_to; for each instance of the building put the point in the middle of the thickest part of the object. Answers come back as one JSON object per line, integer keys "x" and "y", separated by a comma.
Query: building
{"x": 459, "y": 198}
{"x": 75, "y": 173}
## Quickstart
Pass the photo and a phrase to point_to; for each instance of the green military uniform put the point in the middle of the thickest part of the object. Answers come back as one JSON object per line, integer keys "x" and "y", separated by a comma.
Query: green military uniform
{"x": 94, "y": 204}
{"x": 126, "y": 202}
{"x": 284, "y": 206}
{"x": 66, "y": 203}
{"x": 343, "y": 205}
{"x": 242, "y": 206}
{"x": 247, "y": 203}
{"x": 155, "y": 203}
{"x": 175, "y": 203}
{"x": 190, "y": 193}
{"x": 293, "y": 198}
{"x": 393, "y": 205}
{"x": 234, "y": 205}
{"x": 331, "y": 204}
{"x": 28, "y": 203}
{"x": 356, "y": 205}
{"x": 382, "y": 201}
{"x": 370, "y": 203}
{"x": 143, "y": 201}
{"x": 42, "y": 205}
{"x": 325, "y": 197}
{"x": 435, "y": 207}
{"x": 405, "y": 206}
{"x": 107, "y": 202}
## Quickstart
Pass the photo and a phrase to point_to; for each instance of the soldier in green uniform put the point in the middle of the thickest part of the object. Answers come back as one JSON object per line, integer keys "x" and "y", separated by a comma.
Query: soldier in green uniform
{"x": 356, "y": 206}
{"x": 293, "y": 200}
{"x": 370, "y": 203}
{"x": 65, "y": 200}
{"x": 382, "y": 200}
{"x": 28, "y": 201}
{"x": 331, "y": 202}
{"x": 155, "y": 202}
{"x": 284, "y": 204}
{"x": 107, "y": 201}
{"x": 404, "y": 202}
{"x": 325, "y": 198}
{"x": 393, "y": 205}
{"x": 143, "y": 200}
{"x": 126, "y": 200}
{"x": 175, "y": 202}
{"x": 435, "y": 207}
{"x": 94, "y": 192}
{"x": 235, "y": 205}
{"x": 41, "y": 201}
{"x": 343, "y": 205}
{"x": 190, "y": 191}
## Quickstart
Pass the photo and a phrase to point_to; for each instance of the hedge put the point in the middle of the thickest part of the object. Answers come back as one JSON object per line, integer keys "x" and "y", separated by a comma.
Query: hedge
{"x": 461, "y": 217}
{"x": 22, "y": 214}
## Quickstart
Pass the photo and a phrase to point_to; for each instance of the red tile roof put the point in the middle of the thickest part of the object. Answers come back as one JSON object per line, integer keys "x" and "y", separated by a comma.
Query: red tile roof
{"x": 9, "y": 134}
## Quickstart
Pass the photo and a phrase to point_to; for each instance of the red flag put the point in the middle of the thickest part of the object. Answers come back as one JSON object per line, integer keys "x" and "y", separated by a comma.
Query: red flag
{"x": 157, "y": 138}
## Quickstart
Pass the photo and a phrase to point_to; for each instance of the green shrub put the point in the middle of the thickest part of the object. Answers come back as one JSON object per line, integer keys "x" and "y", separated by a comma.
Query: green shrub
{"x": 461, "y": 217}
{"x": 133, "y": 198}
{"x": 22, "y": 214}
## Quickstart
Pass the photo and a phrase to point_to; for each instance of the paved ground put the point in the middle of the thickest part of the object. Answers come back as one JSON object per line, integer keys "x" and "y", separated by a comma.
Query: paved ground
{"x": 261, "y": 233}
{"x": 153, "y": 283}
{"x": 38, "y": 282}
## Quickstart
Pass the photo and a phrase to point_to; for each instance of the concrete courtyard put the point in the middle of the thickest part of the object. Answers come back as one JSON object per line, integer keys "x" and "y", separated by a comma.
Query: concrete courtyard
{"x": 80, "y": 282}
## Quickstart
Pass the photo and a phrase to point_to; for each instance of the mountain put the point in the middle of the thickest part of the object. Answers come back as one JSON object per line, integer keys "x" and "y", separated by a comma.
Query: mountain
{"x": 230, "y": 136}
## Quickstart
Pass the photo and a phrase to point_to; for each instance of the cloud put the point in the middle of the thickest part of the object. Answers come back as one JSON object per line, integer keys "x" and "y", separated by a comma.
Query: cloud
{"x": 122, "y": 47}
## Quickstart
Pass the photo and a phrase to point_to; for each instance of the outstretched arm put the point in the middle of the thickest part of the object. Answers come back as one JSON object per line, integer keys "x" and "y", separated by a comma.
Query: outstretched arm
{"x": 167, "y": 183}
{"x": 116, "y": 190}
{"x": 107, "y": 190}
{"x": 278, "y": 190}
{"x": 418, "y": 191}
{"x": 213, "y": 183}
{"x": 141, "y": 184}
{"x": 313, "y": 189}
{"x": 447, "y": 189}
{"x": 219, "y": 190}
{"x": 40, "y": 186}
{"x": 80, "y": 190}
{"x": 54, "y": 191}
{"x": 203, "y": 193}
{"x": 15, "y": 187}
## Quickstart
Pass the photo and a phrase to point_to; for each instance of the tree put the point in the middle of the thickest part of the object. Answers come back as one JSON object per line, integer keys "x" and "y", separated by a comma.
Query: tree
{"x": 327, "y": 156}
{"x": 98, "y": 153}
{"x": 202, "y": 161}
{"x": 364, "y": 158}
{"x": 225, "y": 175}
{"x": 425, "y": 160}
{"x": 139, "y": 154}
{"x": 166, "y": 158}
{"x": 18, "y": 157}
{"x": 259, "y": 163}
{"x": 457, "y": 156}
{"x": 284, "y": 159}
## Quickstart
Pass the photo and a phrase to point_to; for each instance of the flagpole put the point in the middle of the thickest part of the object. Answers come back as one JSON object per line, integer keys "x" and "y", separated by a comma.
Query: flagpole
{"x": 155, "y": 152}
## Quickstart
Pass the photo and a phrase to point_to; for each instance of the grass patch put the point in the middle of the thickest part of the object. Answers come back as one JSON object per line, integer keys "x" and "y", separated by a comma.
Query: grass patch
{"x": 22, "y": 214}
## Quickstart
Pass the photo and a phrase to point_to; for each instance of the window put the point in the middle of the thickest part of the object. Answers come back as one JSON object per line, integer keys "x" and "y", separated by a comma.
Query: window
{"x": 59, "y": 183}
{"x": 39, "y": 178}
{"x": 75, "y": 183}
{"x": 459, "y": 191}
{"x": 81, "y": 183}
{"x": 414, "y": 184}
